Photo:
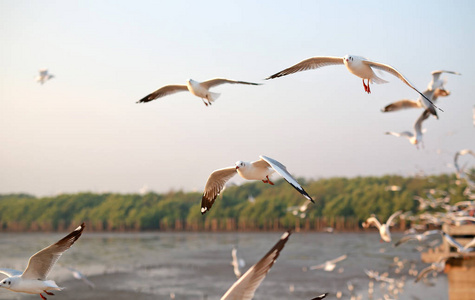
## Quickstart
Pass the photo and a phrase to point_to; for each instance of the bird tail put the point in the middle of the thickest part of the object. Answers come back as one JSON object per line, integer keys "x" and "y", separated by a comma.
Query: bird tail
{"x": 213, "y": 96}
{"x": 52, "y": 285}
{"x": 378, "y": 80}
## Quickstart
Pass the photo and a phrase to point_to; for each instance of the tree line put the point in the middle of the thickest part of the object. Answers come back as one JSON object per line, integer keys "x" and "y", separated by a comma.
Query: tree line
{"x": 340, "y": 201}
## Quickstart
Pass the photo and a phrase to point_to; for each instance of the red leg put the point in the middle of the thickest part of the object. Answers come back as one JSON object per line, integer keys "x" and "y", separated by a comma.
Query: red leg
{"x": 43, "y": 297}
{"x": 49, "y": 293}
{"x": 365, "y": 87}
{"x": 265, "y": 181}
{"x": 268, "y": 181}
{"x": 369, "y": 90}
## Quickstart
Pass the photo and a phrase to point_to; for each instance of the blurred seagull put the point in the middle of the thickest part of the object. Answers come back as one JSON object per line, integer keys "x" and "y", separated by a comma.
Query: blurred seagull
{"x": 469, "y": 247}
{"x": 199, "y": 89}
{"x": 80, "y": 276}
{"x": 237, "y": 263}
{"x": 44, "y": 76}
{"x": 438, "y": 267}
{"x": 245, "y": 287}
{"x": 357, "y": 65}
{"x": 383, "y": 229}
{"x": 418, "y": 237}
{"x": 328, "y": 265}
{"x": 257, "y": 170}
{"x": 33, "y": 279}
{"x": 320, "y": 297}
{"x": 416, "y": 137}
{"x": 434, "y": 90}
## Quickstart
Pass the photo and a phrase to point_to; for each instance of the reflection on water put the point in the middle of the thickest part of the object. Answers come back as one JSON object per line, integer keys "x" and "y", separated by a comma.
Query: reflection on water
{"x": 191, "y": 265}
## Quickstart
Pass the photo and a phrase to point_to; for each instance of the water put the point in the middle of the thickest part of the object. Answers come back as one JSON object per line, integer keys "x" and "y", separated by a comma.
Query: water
{"x": 195, "y": 265}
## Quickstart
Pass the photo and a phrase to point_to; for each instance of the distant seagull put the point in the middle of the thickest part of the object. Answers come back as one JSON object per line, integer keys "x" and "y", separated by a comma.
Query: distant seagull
{"x": 357, "y": 65}
{"x": 383, "y": 229}
{"x": 434, "y": 90}
{"x": 237, "y": 263}
{"x": 44, "y": 76}
{"x": 257, "y": 170}
{"x": 328, "y": 265}
{"x": 460, "y": 171}
{"x": 199, "y": 89}
{"x": 245, "y": 287}
{"x": 320, "y": 297}
{"x": 80, "y": 276}
{"x": 375, "y": 275}
{"x": 469, "y": 247}
{"x": 438, "y": 267}
{"x": 392, "y": 188}
{"x": 416, "y": 137}
{"x": 33, "y": 279}
{"x": 418, "y": 237}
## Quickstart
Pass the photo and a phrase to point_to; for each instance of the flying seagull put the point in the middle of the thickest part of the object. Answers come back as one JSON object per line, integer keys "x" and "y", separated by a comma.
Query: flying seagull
{"x": 320, "y": 297}
{"x": 33, "y": 279}
{"x": 257, "y": 170}
{"x": 199, "y": 89}
{"x": 418, "y": 237}
{"x": 383, "y": 229}
{"x": 237, "y": 263}
{"x": 245, "y": 287}
{"x": 43, "y": 76}
{"x": 438, "y": 267}
{"x": 469, "y": 247}
{"x": 80, "y": 276}
{"x": 328, "y": 265}
{"x": 434, "y": 90}
{"x": 416, "y": 137}
{"x": 357, "y": 65}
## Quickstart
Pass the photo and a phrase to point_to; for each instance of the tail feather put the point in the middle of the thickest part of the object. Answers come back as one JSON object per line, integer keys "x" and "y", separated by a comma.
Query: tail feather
{"x": 212, "y": 96}
{"x": 378, "y": 80}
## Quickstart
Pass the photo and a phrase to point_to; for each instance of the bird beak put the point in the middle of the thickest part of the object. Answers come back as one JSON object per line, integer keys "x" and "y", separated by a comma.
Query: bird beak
{"x": 237, "y": 167}
{"x": 346, "y": 59}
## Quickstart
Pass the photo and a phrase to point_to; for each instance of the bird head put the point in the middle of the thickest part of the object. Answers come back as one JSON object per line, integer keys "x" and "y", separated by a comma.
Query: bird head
{"x": 347, "y": 59}
{"x": 6, "y": 283}
{"x": 240, "y": 164}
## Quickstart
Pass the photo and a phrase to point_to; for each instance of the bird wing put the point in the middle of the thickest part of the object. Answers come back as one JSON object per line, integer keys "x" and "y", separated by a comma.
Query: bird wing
{"x": 396, "y": 73}
{"x": 164, "y": 91}
{"x": 317, "y": 267}
{"x": 282, "y": 171}
{"x": 422, "y": 118}
{"x": 373, "y": 220}
{"x": 320, "y": 297}
{"x": 10, "y": 272}
{"x": 392, "y": 217}
{"x": 436, "y": 74}
{"x": 308, "y": 64}
{"x": 340, "y": 258}
{"x": 470, "y": 244}
{"x": 217, "y": 81}
{"x": 405, "y": 239}
{"x": 214, "y": 186}
{"x": 399, "y": 134}
{"x": 41, "y": 262}
{"x": 245, "y": 287}
{"x": 452, "y": 242}
{"x": 424, "y": 272}
{"x": 401, "y": 104}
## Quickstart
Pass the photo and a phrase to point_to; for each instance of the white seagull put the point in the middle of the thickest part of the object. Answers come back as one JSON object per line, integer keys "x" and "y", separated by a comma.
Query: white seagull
{"x": 237, "y": 263}
{"x": 438, "y": 267}
{"x": 383, "y": 229}
{"x": 257, "y": 170}
{"x": 33, "y": 279}
{"x": 199, "y": 89}
{"x": 469, "y": 247}
{"x": 434, "y": 90}
{"x": 416, "y": 137}
{"x": 418, "y": 237}
{"x": 44, "y": 76}
{"x": 245, "y": 287}
{"x": 357, "y": 65}
{"x": 328, "y": 265}
{"x": 80, "y": 276}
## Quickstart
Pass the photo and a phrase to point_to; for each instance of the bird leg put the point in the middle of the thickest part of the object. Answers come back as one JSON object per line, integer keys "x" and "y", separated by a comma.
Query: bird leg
{"x": 268, "y": 181}
{"x": 43, "y": 297}
{"x": 204, "y": 101}
{"x": 365, "y": 87}
{"x": 49, "y": 293}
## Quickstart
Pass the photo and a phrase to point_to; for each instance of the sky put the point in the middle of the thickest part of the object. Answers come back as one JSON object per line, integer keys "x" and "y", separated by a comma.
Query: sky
{"x": 82, "y": 131}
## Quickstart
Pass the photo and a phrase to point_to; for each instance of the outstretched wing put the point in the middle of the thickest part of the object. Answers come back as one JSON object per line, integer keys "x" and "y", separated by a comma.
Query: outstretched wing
{"x": 245, "y": 287}
{"x": 392, "y": 217}
{"x": 436, "y": 74}
{"x": 401, "y": 104}
{"x": 163, "y": 91}
{"x": 282, "y": 171}
{"x": 309, "y": 64}
{"x": 214, "y": 186}
{"x": 40, "y": 264}
{"x": 320, "y": 297}
{"x": 217, "y": 81}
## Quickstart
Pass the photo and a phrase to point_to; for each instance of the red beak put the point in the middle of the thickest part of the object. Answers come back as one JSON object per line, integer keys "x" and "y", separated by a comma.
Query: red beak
{"x": 237, "y": 167}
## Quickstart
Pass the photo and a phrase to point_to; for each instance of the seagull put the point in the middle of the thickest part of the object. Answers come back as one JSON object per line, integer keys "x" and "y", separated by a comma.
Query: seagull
{"x": 438, "y": 266}
{"x": 199, "y": 89}
{"x": 416, "y": 137}
{"x": 383, "y": 229}
{"x": 237, "y": 263}
{"x": 469, "y": 247}
{"x": 33, "y": 279}
{"x": 375, "y": 275}
{"x": 357, "y": 65}
{"x": 328, "y": 265}
{"x": 419, "y": 237}
{"x": 44, "y": 76}
{"x": 460, "y": 171}
{"x": 257, "y": 170}
{"x": 245, "y": 287}
{"x": 320, "y": 297}
{"x": 434, "y": 90}
{"x": 80, "y": 276}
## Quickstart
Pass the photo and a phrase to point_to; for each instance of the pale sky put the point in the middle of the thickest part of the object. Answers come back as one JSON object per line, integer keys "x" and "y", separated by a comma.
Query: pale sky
{"x": 83, "y": 131}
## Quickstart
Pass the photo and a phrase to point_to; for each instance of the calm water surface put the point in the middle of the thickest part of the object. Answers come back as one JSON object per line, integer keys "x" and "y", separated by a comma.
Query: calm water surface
{"x": 197, "y": 265}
